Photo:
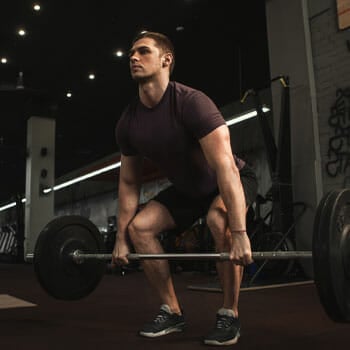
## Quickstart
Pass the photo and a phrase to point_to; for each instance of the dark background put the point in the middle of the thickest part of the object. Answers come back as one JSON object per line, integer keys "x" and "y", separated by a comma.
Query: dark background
{"x": 221, "y": 49}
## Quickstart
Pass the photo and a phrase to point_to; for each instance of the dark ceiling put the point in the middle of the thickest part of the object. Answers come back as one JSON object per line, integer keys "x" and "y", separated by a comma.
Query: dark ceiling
{"x": 221, "y": 49}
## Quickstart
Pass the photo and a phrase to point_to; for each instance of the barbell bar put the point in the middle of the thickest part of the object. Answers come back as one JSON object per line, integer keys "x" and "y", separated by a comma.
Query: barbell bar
{"x": 69, "y": 256}
{"x": 80, "y": 257}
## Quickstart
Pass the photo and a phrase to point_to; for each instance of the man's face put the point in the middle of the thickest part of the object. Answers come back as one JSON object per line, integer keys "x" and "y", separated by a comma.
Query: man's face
{"x": 145, "y": 59}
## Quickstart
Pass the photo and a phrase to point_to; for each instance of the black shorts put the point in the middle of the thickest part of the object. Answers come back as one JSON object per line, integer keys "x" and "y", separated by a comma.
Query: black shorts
{"x": 187, "y": 210}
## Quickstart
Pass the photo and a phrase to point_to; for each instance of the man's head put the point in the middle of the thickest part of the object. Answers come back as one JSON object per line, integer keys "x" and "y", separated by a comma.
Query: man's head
{"x": 146, "y": 48}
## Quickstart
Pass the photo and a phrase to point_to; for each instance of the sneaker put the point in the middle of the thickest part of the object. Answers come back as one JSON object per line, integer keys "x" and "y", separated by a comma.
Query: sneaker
{"x": 226, "y": 331}
{"x": 165, "y": 322}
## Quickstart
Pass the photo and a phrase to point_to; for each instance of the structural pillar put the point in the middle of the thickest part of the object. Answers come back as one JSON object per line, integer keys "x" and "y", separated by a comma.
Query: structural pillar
{"x": 290, "y": 54}
{"x": 40, "y": 174}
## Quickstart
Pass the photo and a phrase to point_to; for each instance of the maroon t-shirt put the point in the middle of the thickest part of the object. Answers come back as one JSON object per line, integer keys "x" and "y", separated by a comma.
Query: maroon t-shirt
{"x": 168, "y": 135}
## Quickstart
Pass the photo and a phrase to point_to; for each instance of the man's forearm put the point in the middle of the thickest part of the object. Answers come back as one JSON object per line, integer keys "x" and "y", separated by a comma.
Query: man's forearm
{"x": 128, "y": 201}
{"x": 231, "y": 191}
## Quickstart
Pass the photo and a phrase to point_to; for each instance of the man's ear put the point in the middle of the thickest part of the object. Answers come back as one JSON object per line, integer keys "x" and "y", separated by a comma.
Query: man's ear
{"x": 166, "y": 60}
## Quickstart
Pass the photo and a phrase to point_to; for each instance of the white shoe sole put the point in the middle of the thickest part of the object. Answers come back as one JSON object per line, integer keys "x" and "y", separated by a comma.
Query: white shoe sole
{"x": 178, "y": 328}
{"x": 217, "y": 343}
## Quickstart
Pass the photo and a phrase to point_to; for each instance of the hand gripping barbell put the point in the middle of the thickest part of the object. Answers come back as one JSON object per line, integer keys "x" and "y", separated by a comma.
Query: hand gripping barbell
{"x": 69, "y": 256}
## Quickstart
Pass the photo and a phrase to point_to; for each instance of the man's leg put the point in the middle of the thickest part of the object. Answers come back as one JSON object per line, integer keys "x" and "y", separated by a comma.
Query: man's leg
{"x": 230, "y": 274}
{"x": 227, "y": 328}
{"x": 144, "y": 229}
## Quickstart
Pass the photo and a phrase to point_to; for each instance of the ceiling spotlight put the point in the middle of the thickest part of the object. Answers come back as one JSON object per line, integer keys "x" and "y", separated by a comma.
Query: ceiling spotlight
{"x": 91, "y": 76}
{"x": 36, "y": 7}
{"x": 69, "y": 94}
{"x": 3, "y": 60}
{"x": 21, "y": 32}
{"x": 180, "y": 28}
{"x": 119, "y": 53}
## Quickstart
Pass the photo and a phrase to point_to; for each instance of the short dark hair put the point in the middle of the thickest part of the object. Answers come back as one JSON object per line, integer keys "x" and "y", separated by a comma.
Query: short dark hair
{"x": 161, "y": 40}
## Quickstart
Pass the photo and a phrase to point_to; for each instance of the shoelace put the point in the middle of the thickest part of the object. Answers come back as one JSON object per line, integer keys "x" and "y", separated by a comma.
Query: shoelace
{"x": 162, "y": 316}
{"x": 224, "y": 322}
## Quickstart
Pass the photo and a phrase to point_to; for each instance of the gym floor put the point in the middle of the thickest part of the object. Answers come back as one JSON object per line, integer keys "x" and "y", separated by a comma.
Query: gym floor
{"x": 288, "y": 317}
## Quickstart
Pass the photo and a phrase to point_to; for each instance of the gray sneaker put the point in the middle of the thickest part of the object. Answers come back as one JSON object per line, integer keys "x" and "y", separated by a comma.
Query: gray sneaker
{"x": 164, "y": 323}
{"x": 226, "y": 331}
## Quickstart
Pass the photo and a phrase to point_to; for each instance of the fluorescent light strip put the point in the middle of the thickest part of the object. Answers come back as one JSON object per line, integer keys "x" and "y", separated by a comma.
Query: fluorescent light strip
{"x": 234, "y": 120}
{"x": 82, "y": 178}
{"x": 245, "y": 116}
{"x": 11, "y": 205}
{"x": 8, "y": 206}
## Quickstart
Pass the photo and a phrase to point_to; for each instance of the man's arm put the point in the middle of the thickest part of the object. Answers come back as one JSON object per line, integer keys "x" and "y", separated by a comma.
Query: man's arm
{"x": 217, "y": 149}
{"x": 129, "y": 191}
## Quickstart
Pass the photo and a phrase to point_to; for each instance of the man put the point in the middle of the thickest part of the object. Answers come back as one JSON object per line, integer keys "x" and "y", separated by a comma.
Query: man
{"x": 182, "y": 131}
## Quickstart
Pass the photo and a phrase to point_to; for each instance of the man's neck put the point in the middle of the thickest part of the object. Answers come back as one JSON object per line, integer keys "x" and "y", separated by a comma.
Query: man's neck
{"x": 151, "y": 92}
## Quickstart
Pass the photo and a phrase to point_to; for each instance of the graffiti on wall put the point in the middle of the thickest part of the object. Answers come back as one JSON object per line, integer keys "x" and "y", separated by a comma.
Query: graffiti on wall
{"x": 339, "y": 143}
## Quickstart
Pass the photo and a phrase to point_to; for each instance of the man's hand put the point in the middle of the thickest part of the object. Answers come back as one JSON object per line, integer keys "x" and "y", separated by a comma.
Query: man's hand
{"x": 241, "y": 252}
{"x": 120, "y": 252}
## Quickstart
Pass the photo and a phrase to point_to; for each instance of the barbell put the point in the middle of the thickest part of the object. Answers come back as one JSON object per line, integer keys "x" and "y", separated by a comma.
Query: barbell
{"x": 69, "y": 256}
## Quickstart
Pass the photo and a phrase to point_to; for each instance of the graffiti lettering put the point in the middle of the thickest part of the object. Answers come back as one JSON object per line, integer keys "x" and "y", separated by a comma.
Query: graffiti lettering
{"x": 339, "y": 143}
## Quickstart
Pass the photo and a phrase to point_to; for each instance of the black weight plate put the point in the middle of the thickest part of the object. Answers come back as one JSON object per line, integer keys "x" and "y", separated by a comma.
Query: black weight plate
{"x": 330, "y": 250}
{"x": 57, "y": 273}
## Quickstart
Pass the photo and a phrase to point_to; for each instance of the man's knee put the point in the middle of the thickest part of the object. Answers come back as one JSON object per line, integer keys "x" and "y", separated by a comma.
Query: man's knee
{"x": 217, "y": 221}
{"x": 141, "y": 229}
{"x": 137, "y": 231}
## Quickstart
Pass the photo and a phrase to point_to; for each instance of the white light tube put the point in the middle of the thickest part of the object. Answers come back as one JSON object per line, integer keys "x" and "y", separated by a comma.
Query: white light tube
{"x": 11, "y": 205}
{"x": 82, "y": 178}
{"x": 8, "y": 206}
{"x": 245, "y": 116}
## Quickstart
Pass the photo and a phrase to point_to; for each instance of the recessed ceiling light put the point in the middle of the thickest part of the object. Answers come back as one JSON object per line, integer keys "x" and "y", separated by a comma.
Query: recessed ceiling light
{"x": 119, "y": 53}
{"x": 36, "y": 7}
{"x": 91, "y": 76}
{"x": 180, "y": 28}
{"x": 21, "y": 32}
{"x": 69, "y": 94}
{"x": 4, "y": 60}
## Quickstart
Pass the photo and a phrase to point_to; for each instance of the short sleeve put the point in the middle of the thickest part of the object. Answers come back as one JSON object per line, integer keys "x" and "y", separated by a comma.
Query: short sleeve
{"x": 200, "y": 114}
